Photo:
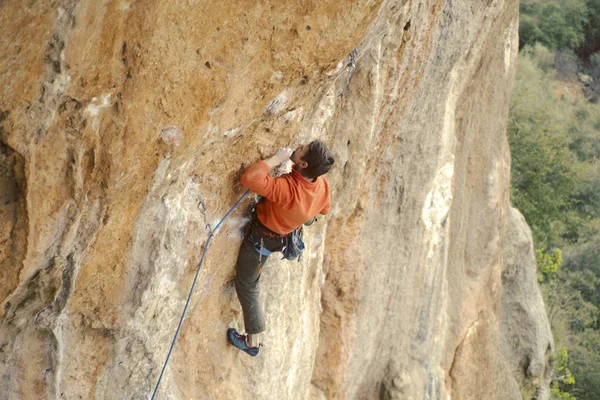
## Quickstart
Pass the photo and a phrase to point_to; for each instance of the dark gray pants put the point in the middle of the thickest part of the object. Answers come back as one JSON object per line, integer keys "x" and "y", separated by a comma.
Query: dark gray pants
{"x": 247, "y": 277}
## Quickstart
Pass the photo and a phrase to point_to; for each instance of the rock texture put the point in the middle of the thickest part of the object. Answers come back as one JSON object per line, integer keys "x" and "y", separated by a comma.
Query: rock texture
{"x": 527, "y": 340}
{"x": 125, "y": 126}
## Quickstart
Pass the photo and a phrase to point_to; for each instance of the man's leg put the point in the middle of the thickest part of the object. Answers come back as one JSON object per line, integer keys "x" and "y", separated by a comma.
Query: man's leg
{"x": 247, "y": 277}
{"x": 253, "y": 340}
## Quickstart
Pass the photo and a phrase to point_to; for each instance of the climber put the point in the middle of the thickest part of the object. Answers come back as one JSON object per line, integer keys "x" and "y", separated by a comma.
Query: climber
{"x": 290, "y": 201}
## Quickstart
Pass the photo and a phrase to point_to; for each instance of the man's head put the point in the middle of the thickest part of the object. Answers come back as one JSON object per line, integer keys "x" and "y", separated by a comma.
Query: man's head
{"x": 313, "y": 159}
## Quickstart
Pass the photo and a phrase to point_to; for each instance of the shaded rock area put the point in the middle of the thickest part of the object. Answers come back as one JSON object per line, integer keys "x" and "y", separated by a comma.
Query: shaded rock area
{"x": 13, "y": 218}
{"x": 125, "y": 126}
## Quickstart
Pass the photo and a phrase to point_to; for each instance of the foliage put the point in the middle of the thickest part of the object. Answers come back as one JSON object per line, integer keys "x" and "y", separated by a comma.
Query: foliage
{"x": 583, "y": 128}
{"x": 561, "y": 357}
{"x": 554, "y": 137}
{"x": 555, "y": 147}
{"x": 547, "y": 263}
{"x": 543, "y": 167}
{"x": 557, "y": 24}
{"x": 594, "y": 60}
{"x": 561, "y": 25}
{"x": 585, "y": 358}
{"x": 558, "y": 394}
{"x": 564, "y": 376}
{"x": 591, "y": 30}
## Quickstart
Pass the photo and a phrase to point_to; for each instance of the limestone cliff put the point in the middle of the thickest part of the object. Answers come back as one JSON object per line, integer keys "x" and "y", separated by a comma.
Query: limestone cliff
{"x": 125, "y": 126}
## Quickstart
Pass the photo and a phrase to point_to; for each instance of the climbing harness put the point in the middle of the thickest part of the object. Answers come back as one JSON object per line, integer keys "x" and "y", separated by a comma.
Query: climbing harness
{"x": 291, "y": 245}
{"x": 210, "y": 235}
{"x": 254, "y": 242}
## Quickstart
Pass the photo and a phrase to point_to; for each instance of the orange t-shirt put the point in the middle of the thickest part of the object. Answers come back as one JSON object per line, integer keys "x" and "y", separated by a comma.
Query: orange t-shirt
{"x": 290, "y": 199}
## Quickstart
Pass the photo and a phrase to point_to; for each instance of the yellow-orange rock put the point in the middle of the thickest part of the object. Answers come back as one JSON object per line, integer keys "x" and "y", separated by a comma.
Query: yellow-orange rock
{"x": 124, "y": 127}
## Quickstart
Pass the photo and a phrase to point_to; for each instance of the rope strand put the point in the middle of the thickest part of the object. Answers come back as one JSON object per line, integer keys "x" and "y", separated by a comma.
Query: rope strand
{"x": 210, "y": 235}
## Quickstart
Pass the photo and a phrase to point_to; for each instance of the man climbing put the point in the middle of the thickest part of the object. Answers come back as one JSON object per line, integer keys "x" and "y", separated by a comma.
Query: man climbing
{"x": 290, "y": 201}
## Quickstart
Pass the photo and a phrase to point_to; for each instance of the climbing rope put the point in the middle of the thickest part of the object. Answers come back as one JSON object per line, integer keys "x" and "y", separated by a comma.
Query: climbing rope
{"x": 210, "y": 235}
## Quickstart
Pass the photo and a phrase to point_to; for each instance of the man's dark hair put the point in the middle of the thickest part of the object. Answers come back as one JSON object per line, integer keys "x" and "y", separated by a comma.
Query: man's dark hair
{"x": 319, "y": 160}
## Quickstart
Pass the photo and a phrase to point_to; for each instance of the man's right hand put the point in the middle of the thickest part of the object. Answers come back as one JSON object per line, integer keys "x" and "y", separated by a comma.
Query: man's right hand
{"x": 283, "y": 154}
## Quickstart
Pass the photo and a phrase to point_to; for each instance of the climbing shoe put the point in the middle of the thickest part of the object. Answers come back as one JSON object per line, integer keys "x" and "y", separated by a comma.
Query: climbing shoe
{"x": 239, "y": 341}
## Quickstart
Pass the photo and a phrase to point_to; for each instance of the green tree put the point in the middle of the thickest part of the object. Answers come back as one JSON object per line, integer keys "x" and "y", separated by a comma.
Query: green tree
{"x": 543, "y": 168}
{"x": 547, "y": 263}
{"x": 563, "y": 377}
{"x": 555, "y": 147}
{"x": 557, "y": 24}
{"x": 585, "y": 362}
{"x": 591, "y": 43}
{"x": 573, "y": 321}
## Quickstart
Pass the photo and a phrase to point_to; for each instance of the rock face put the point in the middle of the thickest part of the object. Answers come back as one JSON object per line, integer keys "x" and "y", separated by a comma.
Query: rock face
{"x": 524, "y": 327}
{"x": 125, "y": 126}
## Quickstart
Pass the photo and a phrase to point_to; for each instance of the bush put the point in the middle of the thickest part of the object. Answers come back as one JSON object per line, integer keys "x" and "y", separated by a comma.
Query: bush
{"x": 595, "y": 65}
{"x": 557, "y": 24}
{"x": 566, "y": 65}
{"x": 547, "y": 262}
{"x": 555, "y": 147}
{"x": 543, "y": 168}
{"x": 591, "y": 30}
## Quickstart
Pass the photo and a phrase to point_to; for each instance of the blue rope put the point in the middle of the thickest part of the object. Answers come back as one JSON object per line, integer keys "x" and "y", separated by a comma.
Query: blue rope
{"x": 192, "y": 288}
